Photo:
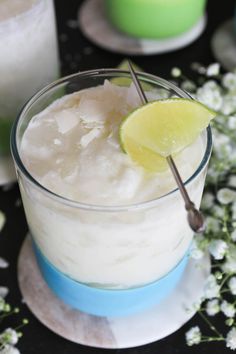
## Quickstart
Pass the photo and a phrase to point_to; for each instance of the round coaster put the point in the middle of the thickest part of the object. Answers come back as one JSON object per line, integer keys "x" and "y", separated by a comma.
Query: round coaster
{"x": 105, "y": 332}
{"x": 7, "y": 170}
{"x": 224, "y": 45}
{"x": 95, "y": 26}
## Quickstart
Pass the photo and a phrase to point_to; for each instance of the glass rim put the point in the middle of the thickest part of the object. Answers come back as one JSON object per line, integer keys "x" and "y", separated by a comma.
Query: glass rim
{"x": 94, "y": 207}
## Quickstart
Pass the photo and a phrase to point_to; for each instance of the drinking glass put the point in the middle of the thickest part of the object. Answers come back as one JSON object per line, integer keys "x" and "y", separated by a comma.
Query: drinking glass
{"x": 107, "y": 260}
{"x": 29, "y": 57}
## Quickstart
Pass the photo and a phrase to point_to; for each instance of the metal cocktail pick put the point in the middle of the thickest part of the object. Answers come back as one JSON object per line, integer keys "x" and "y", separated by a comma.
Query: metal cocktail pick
{"x": 194, "y": 216}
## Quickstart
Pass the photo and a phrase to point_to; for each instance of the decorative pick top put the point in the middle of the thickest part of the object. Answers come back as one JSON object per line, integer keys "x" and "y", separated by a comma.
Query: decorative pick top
{"x": 155, "y": 131}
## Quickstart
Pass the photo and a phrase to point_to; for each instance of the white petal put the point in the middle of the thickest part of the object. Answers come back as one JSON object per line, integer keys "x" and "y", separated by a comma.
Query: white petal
{"x": 2, "y": 220}
{"x": 3, "y": 263}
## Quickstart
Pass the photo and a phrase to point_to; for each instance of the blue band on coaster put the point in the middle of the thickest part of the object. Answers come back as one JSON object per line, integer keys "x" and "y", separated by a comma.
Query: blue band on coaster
{"x": 107, "y": 302}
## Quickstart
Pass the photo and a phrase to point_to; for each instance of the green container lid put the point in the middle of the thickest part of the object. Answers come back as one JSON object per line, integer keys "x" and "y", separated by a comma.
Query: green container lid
{"x": 154, "y": 18}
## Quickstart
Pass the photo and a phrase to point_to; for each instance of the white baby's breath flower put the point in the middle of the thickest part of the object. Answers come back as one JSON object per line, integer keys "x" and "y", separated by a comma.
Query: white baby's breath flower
{"x": 196, "y": 253}
{"x": 3, "y": 291}
{"x": 229, "y": 266}
{"x": 213, "y": 224}
{"x": 199, "y": 68}
{"x": 212, "y": 307}
{"x": 211, "y": 289}
{"x": 199, "y": 246}
{"x": 232, "y": 180}
{"x": 188, "y": 86}
{"x": 3, "y": 263}
{"x": 226, "y": 195}
{"x": 2, "y": 220}
{"x": 9, "y": 349}
{"x": 229, "y": 81}
{"x": 9, "y": 336}
{"x": 207, "y": 200}
{"x": 193, "y": 336}
{"x": 231, "y": 339}
{"x": 231, "y": 122}
{"x": 227, "y": 308}
{"x": 213, "y": 69}
{"x": 232, "y": 156}
{"x": 176, "y": 72}
{"x": 218, "y": 211}
{"x": 222, "y": 145}
{"x": 210, "y": 98}
{"x": 228, "y": 105}
{"x": 197, "y": 304}
{"x": 218, "y": 248}
{"x": 233, "y": 235}
{"x": 211, "y": 85}
{"x": 232, "y": 285}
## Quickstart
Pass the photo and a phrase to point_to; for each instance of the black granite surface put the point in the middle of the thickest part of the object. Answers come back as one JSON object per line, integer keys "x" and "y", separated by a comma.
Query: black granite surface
{"x": 77, "y": 53}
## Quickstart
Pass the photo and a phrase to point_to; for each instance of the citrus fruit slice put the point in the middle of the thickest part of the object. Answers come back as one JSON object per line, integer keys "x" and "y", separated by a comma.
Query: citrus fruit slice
{"x": 161, "y": 128}
{"x": 126, "y": 81}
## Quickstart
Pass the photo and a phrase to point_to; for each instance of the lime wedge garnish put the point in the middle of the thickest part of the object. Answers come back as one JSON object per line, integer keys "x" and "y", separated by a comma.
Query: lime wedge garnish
{"x": 161, "y": 128}
{"x": 126, "y": 81}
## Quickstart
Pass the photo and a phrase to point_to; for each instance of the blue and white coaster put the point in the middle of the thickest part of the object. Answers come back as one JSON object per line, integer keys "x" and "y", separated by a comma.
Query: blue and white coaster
{"x": 106, "y": 332}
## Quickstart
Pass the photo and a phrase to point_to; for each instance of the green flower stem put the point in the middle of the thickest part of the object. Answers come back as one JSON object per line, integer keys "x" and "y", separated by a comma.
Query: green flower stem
{"x": 13, "y": 312}
{"x": 223, "y": 291}
{"x": 212, "y": 339}
{"x": 225, "y": 225}
{"x": 212, "y": 327}
{"x": 23, "y": 324}
{"x": 227, "y": 276}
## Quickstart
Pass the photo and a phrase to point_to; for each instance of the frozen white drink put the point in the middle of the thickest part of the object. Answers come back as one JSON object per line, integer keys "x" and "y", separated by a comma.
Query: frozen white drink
{"x": 117, "y": 227}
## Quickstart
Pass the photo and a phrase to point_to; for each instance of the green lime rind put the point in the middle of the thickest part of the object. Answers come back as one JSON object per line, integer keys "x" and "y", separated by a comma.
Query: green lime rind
{"x": 177, "y": 129}
{"x": 125, "y": 81}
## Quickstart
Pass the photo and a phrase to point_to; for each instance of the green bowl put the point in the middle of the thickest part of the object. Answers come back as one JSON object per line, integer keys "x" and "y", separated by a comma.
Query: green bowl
{"x": 154, "y": 18}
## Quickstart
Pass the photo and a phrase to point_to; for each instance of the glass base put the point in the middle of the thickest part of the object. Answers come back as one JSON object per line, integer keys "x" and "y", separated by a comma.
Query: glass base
{"x": 115, "y": 333}
{"x": 107, "y": 302}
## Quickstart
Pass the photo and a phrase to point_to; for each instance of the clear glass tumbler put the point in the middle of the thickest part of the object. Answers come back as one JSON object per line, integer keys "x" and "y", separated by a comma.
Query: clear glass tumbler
{"x": 107, "y": 260}
{"x": 29, "y": 57}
